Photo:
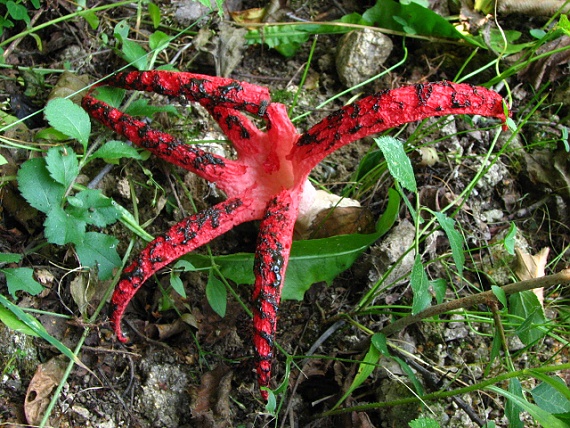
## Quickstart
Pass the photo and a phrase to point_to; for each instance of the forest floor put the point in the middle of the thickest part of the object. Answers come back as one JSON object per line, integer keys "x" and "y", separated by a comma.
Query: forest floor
{"x": 507, "y": 192}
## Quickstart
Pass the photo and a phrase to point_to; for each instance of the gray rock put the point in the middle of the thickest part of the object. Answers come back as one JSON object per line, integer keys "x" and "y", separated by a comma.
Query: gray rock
{"x": 361, "y": 54}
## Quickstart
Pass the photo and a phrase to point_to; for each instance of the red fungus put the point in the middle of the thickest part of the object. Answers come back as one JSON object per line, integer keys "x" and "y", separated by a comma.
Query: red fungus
{"x": 268, "y": 180}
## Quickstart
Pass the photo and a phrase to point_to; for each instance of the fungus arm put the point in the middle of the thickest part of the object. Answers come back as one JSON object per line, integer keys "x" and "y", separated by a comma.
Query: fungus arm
{"x": 271, "y": 258}
{"x": 187, "y": 235}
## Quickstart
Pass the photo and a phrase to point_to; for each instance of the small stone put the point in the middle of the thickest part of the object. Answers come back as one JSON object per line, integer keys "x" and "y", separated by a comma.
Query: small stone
{"x": 360, "y": 55}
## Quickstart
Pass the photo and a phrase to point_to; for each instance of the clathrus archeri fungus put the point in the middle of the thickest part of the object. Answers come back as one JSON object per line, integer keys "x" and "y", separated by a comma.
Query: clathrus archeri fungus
{"x": 268, "y": 180}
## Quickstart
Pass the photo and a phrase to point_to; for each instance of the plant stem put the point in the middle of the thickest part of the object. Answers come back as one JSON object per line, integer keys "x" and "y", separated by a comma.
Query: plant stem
{"x": 454, "y": 392}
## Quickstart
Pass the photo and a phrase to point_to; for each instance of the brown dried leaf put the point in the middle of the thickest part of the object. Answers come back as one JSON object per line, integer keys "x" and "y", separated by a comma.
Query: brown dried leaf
{"x": 342, "y": 221}
{"x": 164, "y": 331}
{"x": 549, "y": 68}
{"x": 38, "y": 395}
{"x": 210, "y": 401}
{"x": 528, "y": 266}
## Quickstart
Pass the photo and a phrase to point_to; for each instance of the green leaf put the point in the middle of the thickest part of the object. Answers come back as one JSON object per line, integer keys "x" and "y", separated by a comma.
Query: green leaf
{"x": 286, "y": 39}
{"x": 94, "y": 208}
{"x": 91, "y": 18}
{"x": 10, "y": 257}
{"x": 439, "y": 287}
{"x": 37, "y": 186}
{"x": 62, "y": 228}
{"x": 177, "y": 285}
{"x": 17, "y": 11}
{"x": 543, "y": 417}
{"x": 410, "y": 17}
{"x": 141, "y": 107}
{"x": 134, "y": 54}
{"x": 424, "y": 423}
{"x": 154, "y": 13}
{"x": 69, "y": 118}
{"x": 455, "y": 240}
{"x": 527, "y": 306}
{"x": 420, "y": 286}
{"x": 112, "y": 96}
{"x": 365, "y": 369}
{"x": 510, "y": 241}
{"x": 99, "y": 251}
{"x": 500, "y": 295}
{"x": 159, "y": 40}
{"x": 175, "y": 281}
{"x": 13, "y": 323}
{"x": 216, "y": 294}
{"x": 21, "y": 279}
{"x": 548, "y": 397}
{"x": 62, "y": 165}
{"x": 398, "y": 162}
{"x": 512, "y": 408}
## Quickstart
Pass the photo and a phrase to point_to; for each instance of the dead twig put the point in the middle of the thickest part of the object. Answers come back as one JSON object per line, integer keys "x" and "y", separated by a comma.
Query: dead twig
{"x": 562, "y": 277}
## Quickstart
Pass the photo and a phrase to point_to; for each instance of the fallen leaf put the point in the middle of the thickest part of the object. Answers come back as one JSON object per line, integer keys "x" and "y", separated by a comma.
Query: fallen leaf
{"x": 528, "y": 266}
{"x": 210, "y": 401}
{"x": 38, "y": 395}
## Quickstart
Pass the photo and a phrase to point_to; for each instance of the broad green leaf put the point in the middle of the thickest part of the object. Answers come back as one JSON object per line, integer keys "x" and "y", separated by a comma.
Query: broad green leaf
{"x": 13, "y": 322}
{"x": 141, "y": 107}
{"x": 455, "y": 240}
{"x": 121, "y": 30}
{"x": 99, "y": 251}
{"x": 527, "y": 306}
{"x": 512, "y": 408}
{"x": 286, "y": 39}
{"x": 271, "y": 405}
{"x": 94, "y": 208}
{"x": 62, "y": 228}
{"x": 548, "y": 397}
{"x": 216, "y": 294}
{"x": 159, "y": 40}
{"x": 420, "y": 286}
{"x": 421, "y": 20}
{"x": 543, "y": 417}
{"x": 177, "y": 285}
{"x": 38, "y": 188}
{"x": 69, "y": 118}
{"x": 134, "y": 54}
{"x": 21, "y": 279}
{"x": 62, "y": 165}
{"x": 398, "y": 162}
{"x": 439, "y": 287}
{"x": 112, "y": 96}
{"x": 10, "y": 257}
{"x": 114, "y": 150}
{"x": 424, "y": 423}
{"x": 17, "y": 11}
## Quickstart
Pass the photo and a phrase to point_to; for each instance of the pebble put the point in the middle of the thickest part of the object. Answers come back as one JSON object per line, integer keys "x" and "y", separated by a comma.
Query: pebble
{"x": 361, "y": 54}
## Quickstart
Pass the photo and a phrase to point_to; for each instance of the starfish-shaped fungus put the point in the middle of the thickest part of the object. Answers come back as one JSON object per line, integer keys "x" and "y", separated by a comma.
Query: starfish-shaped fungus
{"x": 268, "y": 180}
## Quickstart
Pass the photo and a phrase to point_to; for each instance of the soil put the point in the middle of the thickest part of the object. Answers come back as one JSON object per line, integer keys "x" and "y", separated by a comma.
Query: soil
{"x": 201, "y": 373}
